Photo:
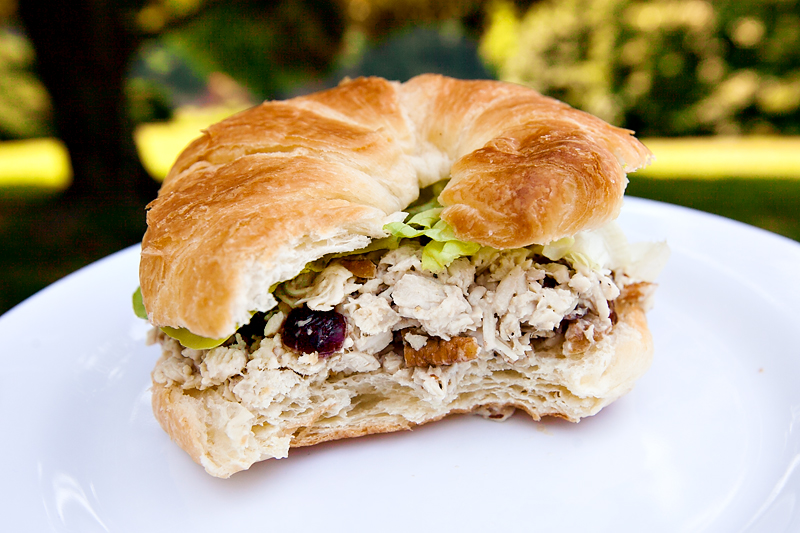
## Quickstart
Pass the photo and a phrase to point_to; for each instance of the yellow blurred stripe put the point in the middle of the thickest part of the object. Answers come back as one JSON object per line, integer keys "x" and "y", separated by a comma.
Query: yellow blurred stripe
{"x": 724, "y": 157}
{"x": 160, "y": 143}
{"x": 35, "y": 163}
{"x": 45, "y": 162}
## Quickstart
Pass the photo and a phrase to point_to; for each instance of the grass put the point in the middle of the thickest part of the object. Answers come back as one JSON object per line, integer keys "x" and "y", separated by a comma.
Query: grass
{"x": 756, "y": 181}
{"x": 769, "y": 203}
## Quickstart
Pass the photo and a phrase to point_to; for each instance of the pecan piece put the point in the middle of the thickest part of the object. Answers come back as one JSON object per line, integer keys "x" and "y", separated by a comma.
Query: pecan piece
{"x": 637, "y": 292}
{"x": 584, "y": 331}
{"x": 438, "y": 351}
{"x": 580, "y": 336}
{"x": 360, "y": 268}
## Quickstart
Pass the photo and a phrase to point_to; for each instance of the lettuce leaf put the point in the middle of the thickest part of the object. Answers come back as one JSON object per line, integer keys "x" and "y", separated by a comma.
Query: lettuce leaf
{"x": 443, "y": 248}
{"x": 138, "y": 304}
{"x": 190, "y": 340}
{"x": 428, "y": 198}
{"x": 648, "y": 259}
{"x": 608, "y": 248}
{"x": 437, "y": 255}
{"x": 182, "y": 335}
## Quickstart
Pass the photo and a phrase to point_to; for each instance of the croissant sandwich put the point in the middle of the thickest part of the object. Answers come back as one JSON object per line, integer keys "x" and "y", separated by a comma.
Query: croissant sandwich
{"x": 380, "y": 255}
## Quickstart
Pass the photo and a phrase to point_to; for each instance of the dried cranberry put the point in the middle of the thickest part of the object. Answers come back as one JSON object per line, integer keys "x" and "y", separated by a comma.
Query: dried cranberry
{"x": 308, "y": 331}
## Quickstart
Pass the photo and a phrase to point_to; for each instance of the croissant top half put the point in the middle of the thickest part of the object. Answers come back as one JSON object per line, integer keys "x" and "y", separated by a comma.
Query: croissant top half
{"x": 265, "y": 191}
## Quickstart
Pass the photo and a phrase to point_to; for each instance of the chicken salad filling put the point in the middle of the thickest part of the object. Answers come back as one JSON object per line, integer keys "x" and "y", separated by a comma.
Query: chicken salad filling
{"x": 384, "y": 311}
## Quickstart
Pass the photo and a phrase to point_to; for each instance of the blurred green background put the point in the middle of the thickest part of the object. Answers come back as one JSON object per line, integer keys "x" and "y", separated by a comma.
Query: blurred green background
{"x": 98, "y": 96}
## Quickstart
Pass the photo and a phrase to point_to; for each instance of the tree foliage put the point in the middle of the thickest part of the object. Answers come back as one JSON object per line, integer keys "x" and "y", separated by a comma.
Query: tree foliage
{"x": 84, "y": 50}
{"x": 24, "y": 103}
{"x": 661, "y": 67}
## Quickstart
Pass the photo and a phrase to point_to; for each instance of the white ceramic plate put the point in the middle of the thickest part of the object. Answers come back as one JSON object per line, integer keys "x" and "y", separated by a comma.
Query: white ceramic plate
{"x": 709, "y": 440}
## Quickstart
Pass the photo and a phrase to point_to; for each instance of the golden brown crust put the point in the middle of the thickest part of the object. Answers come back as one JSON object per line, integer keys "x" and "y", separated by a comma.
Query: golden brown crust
{"x": 263, "y": 192}
{"x": 528, "y": 169}
{"x": 520, "y": 190}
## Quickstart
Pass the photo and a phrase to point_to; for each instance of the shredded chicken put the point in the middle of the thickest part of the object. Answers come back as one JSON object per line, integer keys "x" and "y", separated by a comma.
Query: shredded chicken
{"x": 414, "y": 324}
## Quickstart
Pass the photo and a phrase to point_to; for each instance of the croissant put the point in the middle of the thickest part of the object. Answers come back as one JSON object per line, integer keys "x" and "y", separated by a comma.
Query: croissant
{"x": 286, "y": 206}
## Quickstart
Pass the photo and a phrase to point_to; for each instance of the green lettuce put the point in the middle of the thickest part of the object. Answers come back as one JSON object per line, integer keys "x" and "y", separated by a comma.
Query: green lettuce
{"x": 443, "y": 248}
{"x": 182, "y": 335}
{"x": 190, "y": 340}
{"x": 138, "y": 304}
